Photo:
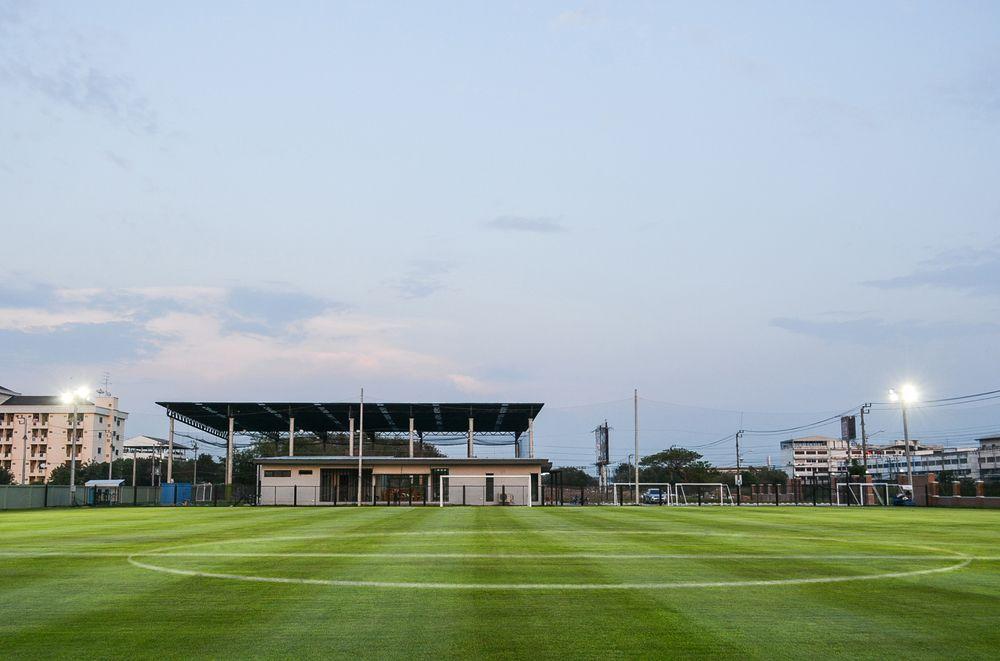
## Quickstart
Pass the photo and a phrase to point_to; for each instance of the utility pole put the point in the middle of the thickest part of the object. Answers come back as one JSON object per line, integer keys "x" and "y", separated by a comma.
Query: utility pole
{"x": 739, "y": 473}
{"x": 133, "y": 468}
{"x": 361, "y": 441}
{"x": 194, "y": 480}
{"x": 865, "y": 408}
{"x": 635, "y": 406}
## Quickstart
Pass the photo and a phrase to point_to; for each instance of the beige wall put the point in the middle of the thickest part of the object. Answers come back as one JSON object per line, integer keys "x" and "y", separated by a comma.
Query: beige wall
{"x": 514, "y": 478}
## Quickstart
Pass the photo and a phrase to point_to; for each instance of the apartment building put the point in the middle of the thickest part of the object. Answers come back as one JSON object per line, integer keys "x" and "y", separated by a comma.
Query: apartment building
{"x": 816, "y": 456}
{"x": 37, "y": 433}
{"x": 989, "y": 458}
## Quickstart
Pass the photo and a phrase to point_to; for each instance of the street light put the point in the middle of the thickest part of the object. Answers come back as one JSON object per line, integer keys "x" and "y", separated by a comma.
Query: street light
{"x": 906, "y": 395}
{"x": 74, "y": 397}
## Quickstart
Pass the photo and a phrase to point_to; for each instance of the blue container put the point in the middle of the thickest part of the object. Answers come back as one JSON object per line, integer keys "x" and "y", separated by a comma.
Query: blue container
{"x": 175, "y": 494}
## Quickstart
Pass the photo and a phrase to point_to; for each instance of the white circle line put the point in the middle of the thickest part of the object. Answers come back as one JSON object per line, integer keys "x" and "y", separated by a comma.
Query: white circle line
{"x": 491, "y": 556}
{"x": 544, "y": 586}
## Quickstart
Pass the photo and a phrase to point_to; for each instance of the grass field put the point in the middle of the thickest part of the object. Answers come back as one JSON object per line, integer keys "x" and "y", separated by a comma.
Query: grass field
{"x": 500, "y": 582}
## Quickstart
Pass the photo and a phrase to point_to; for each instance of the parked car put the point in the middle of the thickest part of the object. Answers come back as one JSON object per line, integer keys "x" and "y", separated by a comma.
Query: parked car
{"x": 654, "y": 497}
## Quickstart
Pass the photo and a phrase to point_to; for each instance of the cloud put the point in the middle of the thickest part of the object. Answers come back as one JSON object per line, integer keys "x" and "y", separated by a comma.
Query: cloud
{"x": 118, "y": 160}
{"x": 979, "y": 92}
{"x": 424, "y": 278}
{"x": 975, "y": 270}
{"x": 537, "y": 224}
{"x": 32, "y": 320}
{"x": 263, "y": 309}
{"x": 874, "y": 331}
{"x": 210, "y": 334}
{"x": 73, "y": 344}
{"x": 58, "y": 67}
{"x": 471, "y": 384}
{"x": 577, "y": 18}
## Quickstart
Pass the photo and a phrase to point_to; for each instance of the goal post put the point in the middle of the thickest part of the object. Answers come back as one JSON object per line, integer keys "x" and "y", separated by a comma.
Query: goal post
{"x": 648, "y": 494}
{"x": 866, "y": 494}
{"x": 485, "y": 490}
{"x": 708, "y": 493}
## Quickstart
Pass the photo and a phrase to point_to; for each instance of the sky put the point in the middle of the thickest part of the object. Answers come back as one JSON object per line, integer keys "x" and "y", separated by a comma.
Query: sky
{"x": 757, "y": 214}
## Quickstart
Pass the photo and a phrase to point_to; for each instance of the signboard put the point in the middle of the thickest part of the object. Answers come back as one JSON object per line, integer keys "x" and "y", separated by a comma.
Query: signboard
{"x": 739, "y": 479}
{"x": 848, "y": 429}
{"x": 439, "y": 471}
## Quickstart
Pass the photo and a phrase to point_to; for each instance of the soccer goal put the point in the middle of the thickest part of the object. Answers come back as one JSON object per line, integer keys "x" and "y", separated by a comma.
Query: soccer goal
{"x": 702, "y": 493}
{"x": 484, "y": 490}
{"x": 875, "y": 494}
{"x": 650, "y": 493}
{"x": 201, "y": 493}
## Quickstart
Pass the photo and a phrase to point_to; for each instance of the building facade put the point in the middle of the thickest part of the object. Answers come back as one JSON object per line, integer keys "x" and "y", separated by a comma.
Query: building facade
{"x": 320, "y": 480}
{"x": 960, "y": 462}
{"x": 822, "y": 456}
{"x": 816, "y": 456}
{"x": 38, "y": 433}
{"x": 989, "y": 458}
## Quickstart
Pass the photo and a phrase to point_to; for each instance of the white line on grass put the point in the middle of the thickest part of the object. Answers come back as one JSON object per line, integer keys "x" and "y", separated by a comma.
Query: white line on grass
{"x": 545, "y": 586}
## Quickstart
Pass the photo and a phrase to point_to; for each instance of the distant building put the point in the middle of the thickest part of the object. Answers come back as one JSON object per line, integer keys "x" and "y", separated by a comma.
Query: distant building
{"x": 151, "y": 446}
{"x": 821, "y": 456}
{"x": 816, "y": 456}
{"x": 989, "y": 457}
{"x": 36, "y": 433}
{"x": 961, "y": 462}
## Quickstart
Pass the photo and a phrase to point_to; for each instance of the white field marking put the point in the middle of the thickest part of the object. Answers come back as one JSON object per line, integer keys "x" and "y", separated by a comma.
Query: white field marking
{"x": 545, "y": 586}
{"x": 963, "y": 561}
{"x": 492, "y": 556}
{"x": 543, "y": 556}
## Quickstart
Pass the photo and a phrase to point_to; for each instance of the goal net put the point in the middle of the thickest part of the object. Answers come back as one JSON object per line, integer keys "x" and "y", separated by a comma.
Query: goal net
{"x": 864, "y": 494}
{"x": 650, "y": 493}
{"x": 702, "y": 493}
{"x": 485, "y": 490}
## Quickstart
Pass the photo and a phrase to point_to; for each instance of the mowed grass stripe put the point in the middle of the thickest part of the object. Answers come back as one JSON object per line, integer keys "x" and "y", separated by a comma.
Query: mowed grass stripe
{"x": 103, "y": 607}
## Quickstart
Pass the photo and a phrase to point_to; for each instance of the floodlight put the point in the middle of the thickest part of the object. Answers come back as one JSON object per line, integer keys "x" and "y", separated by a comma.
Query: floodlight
{"x": 82, "y": 393}
{"x": 66, "y": 397}
{"x": 909, "y": 393}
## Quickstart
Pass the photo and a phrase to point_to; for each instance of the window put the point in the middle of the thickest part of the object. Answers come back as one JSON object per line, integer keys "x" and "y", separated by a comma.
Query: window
{"x": 278, "y": 473}
{"x": 489, "y": 488}
{"x": 306, "y": 471}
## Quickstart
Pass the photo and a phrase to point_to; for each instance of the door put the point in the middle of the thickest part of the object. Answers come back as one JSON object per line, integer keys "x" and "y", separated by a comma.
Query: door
{"x": 326, "y": 484}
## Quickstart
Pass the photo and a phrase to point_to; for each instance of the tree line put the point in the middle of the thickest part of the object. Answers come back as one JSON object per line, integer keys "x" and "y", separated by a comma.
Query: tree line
{"x": 674, "y": 465}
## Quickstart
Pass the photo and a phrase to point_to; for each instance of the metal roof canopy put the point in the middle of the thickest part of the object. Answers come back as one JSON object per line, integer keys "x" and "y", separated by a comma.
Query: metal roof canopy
{"x": 428, "y": 418}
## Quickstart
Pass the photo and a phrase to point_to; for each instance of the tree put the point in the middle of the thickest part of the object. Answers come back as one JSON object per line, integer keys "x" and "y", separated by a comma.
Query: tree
{"x": 6, "y": 477}
{"x": 574, "y": 477}
{"x": 856, "y": 469}
{"x": 676, "y": 465}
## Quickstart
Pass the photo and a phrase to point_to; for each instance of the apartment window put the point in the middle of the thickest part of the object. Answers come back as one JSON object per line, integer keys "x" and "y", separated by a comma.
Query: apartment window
{"x": 306, "y": 471}
{"x": 277, "y": 473}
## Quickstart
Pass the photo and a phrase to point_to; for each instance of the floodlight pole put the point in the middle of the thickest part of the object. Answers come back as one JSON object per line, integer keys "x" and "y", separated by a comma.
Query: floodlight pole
{"x": 635, "y": 406}
{"x": 361, "y": 441}
{"x": 24, "y": 448}
{"x": 72, "y": 461}
{"x": 906, "y": 441}
{"x": 291, "y": 436}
